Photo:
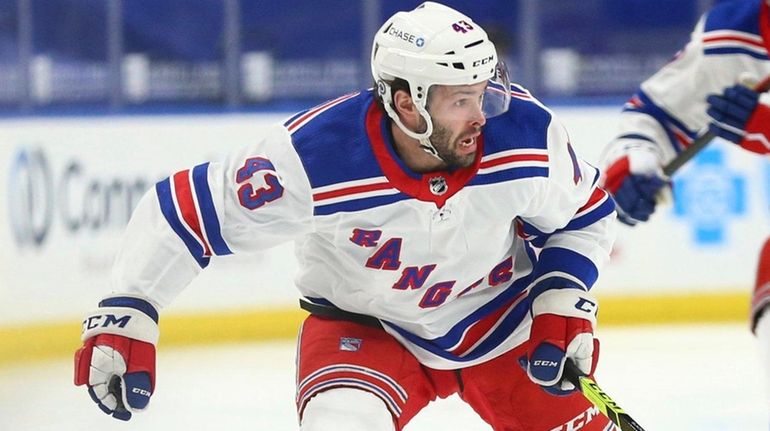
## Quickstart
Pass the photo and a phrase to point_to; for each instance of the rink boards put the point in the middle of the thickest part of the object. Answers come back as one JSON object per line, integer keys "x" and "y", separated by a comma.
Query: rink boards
{"x": 69, "y": 184}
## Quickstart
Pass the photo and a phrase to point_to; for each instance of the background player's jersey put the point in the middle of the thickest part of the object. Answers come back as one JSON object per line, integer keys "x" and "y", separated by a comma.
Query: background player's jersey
{"x": 732, "y": 40}
{"x": 443, "y": 259}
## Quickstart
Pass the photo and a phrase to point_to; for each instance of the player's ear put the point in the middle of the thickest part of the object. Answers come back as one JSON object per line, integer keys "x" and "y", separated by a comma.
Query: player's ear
{"x": 406, "y": 109}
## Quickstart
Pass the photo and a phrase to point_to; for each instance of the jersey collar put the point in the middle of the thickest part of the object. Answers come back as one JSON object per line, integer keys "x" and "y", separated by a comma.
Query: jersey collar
{"x": 434, "y": 187}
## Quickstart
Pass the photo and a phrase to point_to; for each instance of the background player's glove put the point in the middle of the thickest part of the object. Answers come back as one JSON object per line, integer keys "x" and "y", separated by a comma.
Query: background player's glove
{"x": 634, "y": 181}
{"x": 562, "y": 328}
{"x": 117, "y": 360}
{"x": 741, "y": 115}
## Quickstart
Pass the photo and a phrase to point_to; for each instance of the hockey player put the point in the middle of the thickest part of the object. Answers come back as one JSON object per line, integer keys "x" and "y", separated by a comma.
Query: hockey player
{"x": 447, "y": 233}
{"x": 702, "y": 87}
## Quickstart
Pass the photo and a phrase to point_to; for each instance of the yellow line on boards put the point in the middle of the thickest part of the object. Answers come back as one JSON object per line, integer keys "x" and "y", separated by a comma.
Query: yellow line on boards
{"x": 26, "y": 343}
{"x": 674, "y": 309}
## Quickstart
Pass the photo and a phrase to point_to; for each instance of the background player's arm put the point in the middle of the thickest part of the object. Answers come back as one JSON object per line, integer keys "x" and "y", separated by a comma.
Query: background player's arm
{"x": 657, "y": 123}
{"x": 676, "y": 106}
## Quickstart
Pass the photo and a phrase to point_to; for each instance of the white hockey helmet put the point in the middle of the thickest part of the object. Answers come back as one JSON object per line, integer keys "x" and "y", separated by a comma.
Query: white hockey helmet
{"x": 436, "y": 45}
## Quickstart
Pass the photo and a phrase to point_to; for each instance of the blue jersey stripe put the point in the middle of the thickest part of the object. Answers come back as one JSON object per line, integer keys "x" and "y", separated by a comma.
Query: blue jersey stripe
{"x": 636, "y": 136}
{"x": 531, "y": 229}
{"x": 322, "y": 301}
{"x": 564, "y": 260}
{"x": 130, "y": 302}
{"x": 453, "y": 336}
{"x": 359, "y": 204}
{"x": 167, "y": 207}
{"x": 598, "y": 213}
{"x": 208, "y": 211}
{"x": 509, "y": 175}
{"x": 294, "y": 117}
{"x": 653, "y": 110}
{"x": 551, "y": 284}
{"x": 597, "y": 175}
{"x": 735, "y": 50}
{"x": 504, "y": 330}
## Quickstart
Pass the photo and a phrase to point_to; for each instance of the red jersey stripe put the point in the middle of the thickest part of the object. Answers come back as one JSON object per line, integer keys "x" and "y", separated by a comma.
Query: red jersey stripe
{"x": 318, "y": 110}
{"x": 514, "y": 158}
{"x": 187, "y": 207}
{"x": 480, "y": 328}
{"x": 711, "y": 39}
{"x": 596, "y": 196}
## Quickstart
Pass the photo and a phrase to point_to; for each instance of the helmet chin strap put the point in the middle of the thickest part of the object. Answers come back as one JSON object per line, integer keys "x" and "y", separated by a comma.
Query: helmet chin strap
{"x": 428, "y": 147}
{"x": 424, "y": 137}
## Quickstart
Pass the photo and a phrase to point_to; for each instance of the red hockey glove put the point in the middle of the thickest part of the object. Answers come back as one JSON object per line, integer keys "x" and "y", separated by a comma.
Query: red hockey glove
{"x": 562, "y": 328}
{"x": 117, "y": 361}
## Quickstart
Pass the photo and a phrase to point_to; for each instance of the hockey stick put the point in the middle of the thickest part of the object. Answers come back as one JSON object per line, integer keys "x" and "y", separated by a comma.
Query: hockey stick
{"x": 701, "y": 141}
{"x": 600, "y": 399}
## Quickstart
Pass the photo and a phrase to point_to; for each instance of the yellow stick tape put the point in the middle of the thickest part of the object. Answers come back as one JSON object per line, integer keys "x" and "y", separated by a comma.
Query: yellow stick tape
{"x": 25, "y": 343}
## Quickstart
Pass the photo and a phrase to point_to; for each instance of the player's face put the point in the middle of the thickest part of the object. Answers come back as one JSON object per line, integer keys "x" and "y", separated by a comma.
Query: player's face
{"x": 457, "y": 121}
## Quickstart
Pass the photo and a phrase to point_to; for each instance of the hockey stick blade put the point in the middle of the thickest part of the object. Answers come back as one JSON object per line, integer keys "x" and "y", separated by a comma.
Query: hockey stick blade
{"x": 701, "y": 141}
{"x": 600, "y": 399}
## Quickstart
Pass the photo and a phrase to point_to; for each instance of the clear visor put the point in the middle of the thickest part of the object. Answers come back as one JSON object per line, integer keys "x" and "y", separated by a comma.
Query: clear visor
{"x": 497, "y": 96}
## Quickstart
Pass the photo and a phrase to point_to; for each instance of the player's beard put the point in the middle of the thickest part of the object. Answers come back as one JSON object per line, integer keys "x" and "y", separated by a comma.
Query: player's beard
{"x": 446, "y": 147}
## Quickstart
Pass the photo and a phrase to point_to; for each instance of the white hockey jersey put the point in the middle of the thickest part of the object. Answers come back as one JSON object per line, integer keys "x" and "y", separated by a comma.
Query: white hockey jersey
{"x": 443, "y": 259}
{"x": 668, "y": 112}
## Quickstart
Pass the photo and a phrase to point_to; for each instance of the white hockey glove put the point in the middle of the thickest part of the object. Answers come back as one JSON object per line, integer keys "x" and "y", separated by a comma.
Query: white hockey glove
{"x": 117, "y": 360}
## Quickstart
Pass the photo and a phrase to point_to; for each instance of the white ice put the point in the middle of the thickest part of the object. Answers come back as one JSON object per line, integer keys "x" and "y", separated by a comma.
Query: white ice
{"x": 703, "y": 378}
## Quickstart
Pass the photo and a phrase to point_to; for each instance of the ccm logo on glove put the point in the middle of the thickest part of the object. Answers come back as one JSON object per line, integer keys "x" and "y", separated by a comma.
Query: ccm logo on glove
{"x": 109, "y": 319}
{"x": 586, "y": 305}
{"x": 141, "y": 392}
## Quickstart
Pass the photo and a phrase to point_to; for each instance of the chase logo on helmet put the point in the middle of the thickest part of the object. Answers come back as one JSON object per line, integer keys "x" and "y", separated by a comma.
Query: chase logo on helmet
{"x": 406, "y": 37}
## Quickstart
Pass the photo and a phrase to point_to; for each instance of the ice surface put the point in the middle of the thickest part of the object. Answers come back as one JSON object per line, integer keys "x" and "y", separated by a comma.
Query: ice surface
{"x": 701, "y": 378}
